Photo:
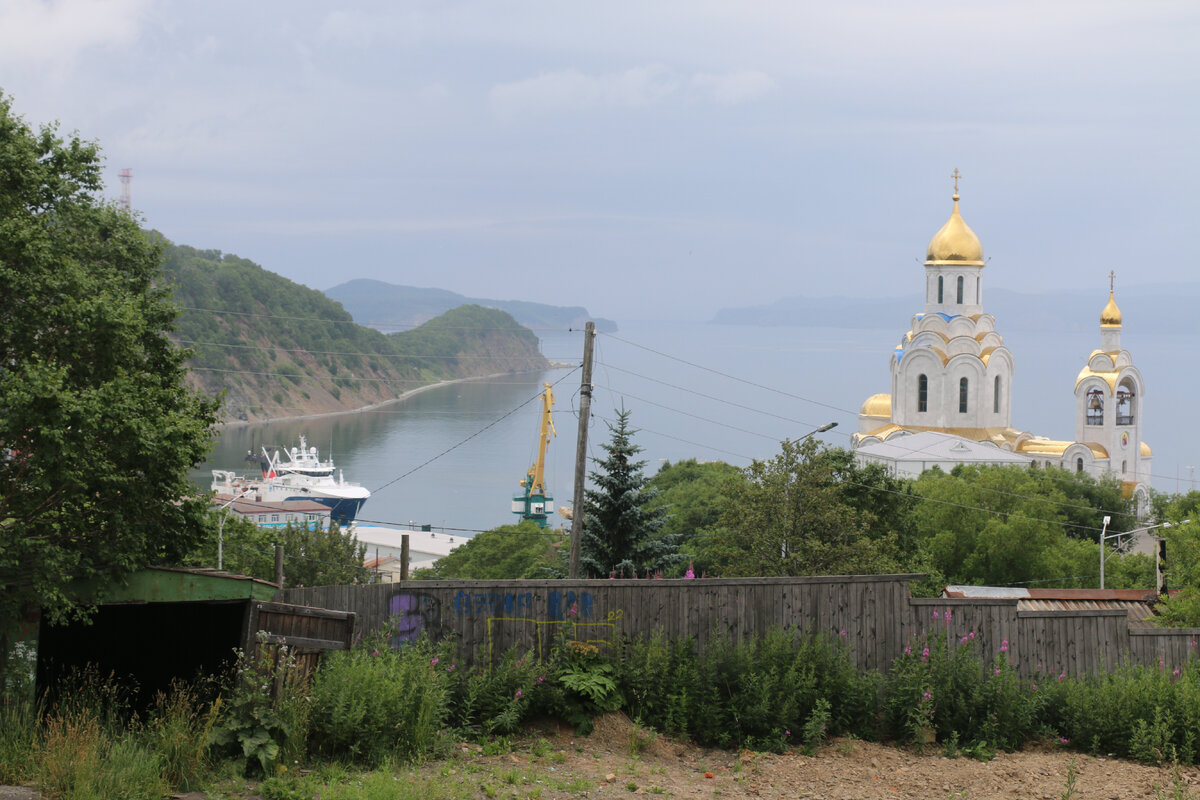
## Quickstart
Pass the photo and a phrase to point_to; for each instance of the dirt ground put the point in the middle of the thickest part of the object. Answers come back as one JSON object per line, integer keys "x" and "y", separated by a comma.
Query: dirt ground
{"x": 844, "y": 769}
{"x": 618, "y": 759}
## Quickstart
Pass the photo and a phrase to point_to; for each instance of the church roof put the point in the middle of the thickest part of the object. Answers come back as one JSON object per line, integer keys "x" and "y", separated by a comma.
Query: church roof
{"x": 955, "y": 243}
{"x": 1110, "y": 317}
{"x": 937, "y": 446}
{"x": 877, "y": 405}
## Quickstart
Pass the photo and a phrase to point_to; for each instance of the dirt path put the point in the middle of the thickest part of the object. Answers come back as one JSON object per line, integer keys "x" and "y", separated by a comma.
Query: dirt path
{"x": 844, "y": 769}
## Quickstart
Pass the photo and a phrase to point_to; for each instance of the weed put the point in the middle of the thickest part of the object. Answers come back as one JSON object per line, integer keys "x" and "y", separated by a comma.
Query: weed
{"x": 1069, "y": 792}
{"x": 631, "y": 787}
{"x": 1179, "y": 787}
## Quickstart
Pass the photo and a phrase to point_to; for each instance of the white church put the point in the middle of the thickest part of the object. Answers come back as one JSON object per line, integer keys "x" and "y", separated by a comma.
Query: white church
{"x": 951, "y": 397}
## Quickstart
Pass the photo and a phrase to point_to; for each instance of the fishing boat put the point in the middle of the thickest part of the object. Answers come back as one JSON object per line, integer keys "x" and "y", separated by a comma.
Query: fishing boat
{"x": 291, "y": 475}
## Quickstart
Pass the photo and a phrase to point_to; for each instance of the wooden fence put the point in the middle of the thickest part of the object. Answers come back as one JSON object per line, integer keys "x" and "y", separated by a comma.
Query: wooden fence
{"x": 874, "y": 613}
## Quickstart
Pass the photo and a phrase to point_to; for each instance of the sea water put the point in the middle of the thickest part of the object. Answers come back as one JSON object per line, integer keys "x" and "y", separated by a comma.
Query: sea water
{"x": 452, "y": 456}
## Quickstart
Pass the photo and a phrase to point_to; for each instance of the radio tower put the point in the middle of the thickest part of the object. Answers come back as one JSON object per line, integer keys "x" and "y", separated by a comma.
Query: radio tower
{"x": 126, "y": 176}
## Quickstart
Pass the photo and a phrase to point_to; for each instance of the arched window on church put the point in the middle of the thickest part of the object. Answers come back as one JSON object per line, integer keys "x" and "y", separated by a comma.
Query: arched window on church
{"x": 922, "y": 393}
{"x": 1125, "y": 403}
{"x": 996, "y": 396}
{"x": 1124, "y": 467}
{"x": 1079, "y": 465}
{"x": 941, "y": 285}
{"x": 962, "y": 395}
{"x": 977, "y": 291}
{"x": 960, "y": 289}
{"x": 1095, "y": 407}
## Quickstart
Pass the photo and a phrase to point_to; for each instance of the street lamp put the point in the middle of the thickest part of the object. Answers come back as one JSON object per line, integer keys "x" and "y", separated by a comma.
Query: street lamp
{"x": 221, "y": 526}
{"x": 828, "y": 426}
{"x": 1104, "y": 538}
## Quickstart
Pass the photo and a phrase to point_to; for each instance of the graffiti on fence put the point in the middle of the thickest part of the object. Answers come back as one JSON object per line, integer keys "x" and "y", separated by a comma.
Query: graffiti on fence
{"x": 414, "y": 613}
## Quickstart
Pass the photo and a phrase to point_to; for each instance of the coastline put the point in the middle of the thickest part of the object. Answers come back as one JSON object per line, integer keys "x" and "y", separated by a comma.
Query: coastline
{"x": 383, "y": 404}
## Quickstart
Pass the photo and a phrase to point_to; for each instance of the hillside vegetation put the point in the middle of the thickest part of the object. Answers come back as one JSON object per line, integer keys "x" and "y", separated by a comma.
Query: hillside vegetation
{"x": 273, "y": 348}
{"x": 386, "y": 305}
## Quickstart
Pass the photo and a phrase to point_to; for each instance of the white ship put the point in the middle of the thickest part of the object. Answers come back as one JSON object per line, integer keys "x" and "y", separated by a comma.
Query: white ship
{"x": 293, "y": 475}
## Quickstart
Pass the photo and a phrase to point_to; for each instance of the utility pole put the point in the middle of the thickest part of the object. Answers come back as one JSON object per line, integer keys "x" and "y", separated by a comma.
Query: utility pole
{"x": 585, "y": 411}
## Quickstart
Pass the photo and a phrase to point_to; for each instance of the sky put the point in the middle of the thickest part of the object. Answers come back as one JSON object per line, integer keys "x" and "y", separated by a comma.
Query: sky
{"x": 647, "y": 160}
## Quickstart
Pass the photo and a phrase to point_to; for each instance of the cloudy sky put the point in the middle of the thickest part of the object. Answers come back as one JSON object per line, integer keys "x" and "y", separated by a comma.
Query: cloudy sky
{"x": 640, "y": 158}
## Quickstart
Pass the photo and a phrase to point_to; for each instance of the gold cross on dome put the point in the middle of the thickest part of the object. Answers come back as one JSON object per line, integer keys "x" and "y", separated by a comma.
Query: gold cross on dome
{"x": 956, "y": 176}
{"x": 1111, "y": 277}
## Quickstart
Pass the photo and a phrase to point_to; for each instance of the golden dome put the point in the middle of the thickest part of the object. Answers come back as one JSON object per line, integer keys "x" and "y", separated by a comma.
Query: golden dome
{"x": 877, "y": 405}
{"x": 1110, "y": 317}
{"x": 955, "y": 243}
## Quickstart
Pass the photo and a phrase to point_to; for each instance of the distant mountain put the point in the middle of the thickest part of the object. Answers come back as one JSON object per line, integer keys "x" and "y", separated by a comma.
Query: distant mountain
{"x": 273, "y": 348}
{"x": 386, "y": 306}
{"x": 1162, "y": 308}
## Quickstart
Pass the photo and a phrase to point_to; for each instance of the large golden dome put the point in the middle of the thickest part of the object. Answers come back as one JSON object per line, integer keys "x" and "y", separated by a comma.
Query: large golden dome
{"x": 955, "y": 243}
{"x": 1110, "y": 317}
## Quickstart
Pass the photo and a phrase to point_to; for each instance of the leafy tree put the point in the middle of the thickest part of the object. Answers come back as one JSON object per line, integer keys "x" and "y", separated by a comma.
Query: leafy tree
{"x": 312, "y": 555}
{"x": 792, "y": 516}
{"x": 1181, "y": 608}
{"x": 508, "y": 552}
{"x": 97, "y": 427}
{"x": 622, "y": 530}
{"x": 1003, "y": 525}
{"x": 693, "y": 493}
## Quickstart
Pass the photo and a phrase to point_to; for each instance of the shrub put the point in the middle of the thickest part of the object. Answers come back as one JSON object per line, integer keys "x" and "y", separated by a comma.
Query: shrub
{"x": 495, "y": 700}
{"x": 376, "y": 701}
{"x": 264, "y": 717}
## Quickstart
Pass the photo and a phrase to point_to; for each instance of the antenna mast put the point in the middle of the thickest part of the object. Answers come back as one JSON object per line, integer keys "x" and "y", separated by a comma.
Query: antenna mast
{"x": 126, "y": 175}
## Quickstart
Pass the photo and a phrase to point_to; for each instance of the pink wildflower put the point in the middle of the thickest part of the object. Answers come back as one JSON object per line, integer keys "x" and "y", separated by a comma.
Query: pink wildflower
{"x": 927, "y": 696}
{"x": 1033, "y": 686}
{"x": 997, "y": 671}
{"x": 451, "y": 668}
{"x": 541, "y": 678}
{"x": 925, "y": 654}
{"x": 935, "y": 613}
{"x": 908, "y": 649}
{"x": 949, "y": 613}
{"x": 434, "y": 661}
{"x": 374, "y": 653}
{"x": 971, "y": 636}
{"x": 964, "y": 639}
{"x": 842, "y": 632}
{"x": 518, "y": 695}
{"x": 1004, "y": 646}
{"x": 691, "y": 573}
{"x": 1064, "y": 740}
{"x": 1175, "y": 672}
{"x": 787, "y": 733}
{"x": 573, "y": 611}
{"x": 1062, "y": 675}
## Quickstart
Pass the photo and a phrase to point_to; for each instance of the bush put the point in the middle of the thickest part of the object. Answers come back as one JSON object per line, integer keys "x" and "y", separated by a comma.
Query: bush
{"x": 943, "y": 684}
{"x": 377, "y": 701}
{"x": 753, "y": 694}
{"x": 264, "y": 718}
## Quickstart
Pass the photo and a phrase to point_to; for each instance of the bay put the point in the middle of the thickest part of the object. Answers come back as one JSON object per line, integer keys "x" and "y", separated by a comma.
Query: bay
{"x": 452, "y": 456}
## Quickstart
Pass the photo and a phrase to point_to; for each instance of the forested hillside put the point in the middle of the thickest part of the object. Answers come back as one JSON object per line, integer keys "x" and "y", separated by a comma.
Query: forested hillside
{"x": 275, "y": 348}
{"x": 385, "y": 305}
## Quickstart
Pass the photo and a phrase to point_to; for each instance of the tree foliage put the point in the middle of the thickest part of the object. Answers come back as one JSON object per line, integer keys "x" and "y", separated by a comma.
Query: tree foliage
{"x": 622, "y": 529}
{"x": 97, "y": 427}
{"x": 693, "y": 493}
{"x": 792, "y": 515}
{"x": 505, "y": 553}
{"x": 312, "y": 555}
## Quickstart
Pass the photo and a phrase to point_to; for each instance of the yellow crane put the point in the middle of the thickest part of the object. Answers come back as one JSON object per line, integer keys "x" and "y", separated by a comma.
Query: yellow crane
{"x": 534, "y": 503}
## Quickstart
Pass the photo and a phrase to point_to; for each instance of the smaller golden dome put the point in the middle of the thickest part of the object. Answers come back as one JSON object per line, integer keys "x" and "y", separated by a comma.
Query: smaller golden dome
{"x": 877, "y": 405}
{"x": 1110, "y": 317}
{"x": 955, "y": 242}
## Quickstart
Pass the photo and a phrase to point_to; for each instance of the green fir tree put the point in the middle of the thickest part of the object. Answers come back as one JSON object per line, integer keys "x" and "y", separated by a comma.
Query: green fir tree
{"x": 622, "y": 530}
